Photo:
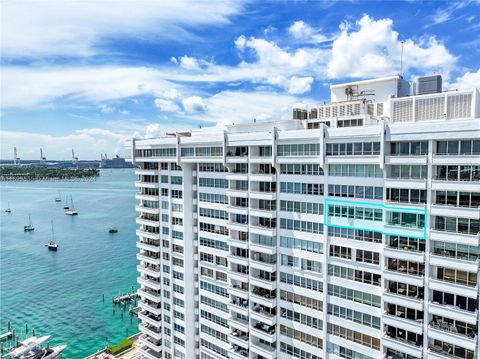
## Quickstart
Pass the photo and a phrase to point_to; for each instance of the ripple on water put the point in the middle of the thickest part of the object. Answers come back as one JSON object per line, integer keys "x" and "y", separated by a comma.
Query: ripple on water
{"x": 60, "y": 294}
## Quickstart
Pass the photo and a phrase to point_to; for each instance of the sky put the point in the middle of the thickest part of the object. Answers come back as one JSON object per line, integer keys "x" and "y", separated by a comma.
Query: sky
{"x": 89, "y": 74}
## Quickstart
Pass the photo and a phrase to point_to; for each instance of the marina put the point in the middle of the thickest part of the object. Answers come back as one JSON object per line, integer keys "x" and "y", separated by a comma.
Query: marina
{"x": 89, "y": 266}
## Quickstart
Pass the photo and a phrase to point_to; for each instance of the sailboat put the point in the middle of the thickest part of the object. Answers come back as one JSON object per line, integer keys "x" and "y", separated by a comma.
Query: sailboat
{"x": 51, "y": 245}
{"x": 8, "y": 210}
{"x": 29, "y": 227}
{"x": 71, "y": 211}
{"x": 58, "y": 198}
{"x": 66, "y": 206}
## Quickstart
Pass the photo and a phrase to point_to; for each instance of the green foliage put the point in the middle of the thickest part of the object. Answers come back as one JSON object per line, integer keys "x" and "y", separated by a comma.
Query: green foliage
{"x": 42, "y": 173}
{"x": 120, "y": 347}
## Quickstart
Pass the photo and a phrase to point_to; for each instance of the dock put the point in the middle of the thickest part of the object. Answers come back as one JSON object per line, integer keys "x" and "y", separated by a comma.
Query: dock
{"x": 6, "y": 335}
{"x": 125, "y": 298}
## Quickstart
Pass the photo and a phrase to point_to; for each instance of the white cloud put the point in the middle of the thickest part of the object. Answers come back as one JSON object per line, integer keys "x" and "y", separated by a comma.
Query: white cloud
{"x": 44, "y": 28}
{"x": 229, "y": 107}
{"x": 106, "y": 109}
{"x": 153, "y": 130}
{"x": 166, "y": 105}
{"x": 123, "y": 112}
{"x": 193, "y": 104}
{"x": 301, "y": 31}
{"x": 299, "y": 85}
{"x": 373, "y": 49}
{"x": 189, "y": 63}
{"x": 22, "y": 87}
{"x": 88, "y": 143}
{"x": 170, "y": 94}
{"x": 240, "y": 42}
{"x": 468, "y": 81}
{"x": 445, "y": 14}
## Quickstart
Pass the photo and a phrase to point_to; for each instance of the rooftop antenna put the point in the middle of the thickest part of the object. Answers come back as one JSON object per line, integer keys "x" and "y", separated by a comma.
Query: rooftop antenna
{"x": 401, "y": 59}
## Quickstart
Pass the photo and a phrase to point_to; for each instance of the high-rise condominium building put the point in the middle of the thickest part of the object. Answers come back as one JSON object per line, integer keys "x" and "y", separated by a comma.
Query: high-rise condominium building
{"x": 349, "y": 231}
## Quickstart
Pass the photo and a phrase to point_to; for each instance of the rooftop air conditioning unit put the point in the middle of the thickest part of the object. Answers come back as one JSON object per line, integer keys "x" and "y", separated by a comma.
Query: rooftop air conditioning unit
{"x": 428, "y": 84}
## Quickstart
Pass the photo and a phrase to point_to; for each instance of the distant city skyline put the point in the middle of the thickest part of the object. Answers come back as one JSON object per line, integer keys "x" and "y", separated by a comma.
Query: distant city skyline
{"x": 90, "y": 75}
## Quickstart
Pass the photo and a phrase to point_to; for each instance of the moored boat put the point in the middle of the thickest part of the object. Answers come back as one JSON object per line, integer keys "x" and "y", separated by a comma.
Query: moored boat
{"x": 29, "y": 227}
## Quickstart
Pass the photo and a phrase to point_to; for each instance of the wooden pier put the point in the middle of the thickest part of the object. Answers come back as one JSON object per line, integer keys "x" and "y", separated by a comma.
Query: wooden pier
{"x": 125, "y": 298}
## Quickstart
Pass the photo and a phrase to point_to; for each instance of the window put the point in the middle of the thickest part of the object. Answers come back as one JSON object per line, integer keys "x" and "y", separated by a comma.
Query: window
{"x": 303, "y": 226}
{"x": 353, "y": 149}
{"x": 301, "y": 188}
{"x": 417, "y": 148}
{"x": 353, "y": 170}
{"x": 354, "y": 316}
{"x": 301, "y": 207}
{"x": 299, "y": 150}
{"x": 464, "y": 147}
{"x": 301, "y": 169}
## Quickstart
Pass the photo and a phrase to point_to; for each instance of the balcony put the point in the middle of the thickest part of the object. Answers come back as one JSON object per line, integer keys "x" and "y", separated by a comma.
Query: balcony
{"x": 147, "y": 197}
{"x": 263, "y": 280}
{"x": 239, "y": 305}
{"x": 152, "y": 319}
{"x": 236, "y": 321}
{"x": 150, "y": 270}
{"x": 264, "y": 314}
{"x": 149, "y": 353}
{"x": 148, "y": 221}
{"x": 150, "y": 295}
{"x": 146, "y": 184}
{"x": 153, "y": 344}
{"x": 238, "y": 336}
{"x": 452, "y": 327}
{"x": 155, "y": 308}
{"x": 239, "y": 289}
{"x": 150, "y": 330}
{"x": 238, "y": 351}
{"x": 151, "y": 258}
{"x": 263, "y": 331}
{"x": 150, "y": 246}
{"x": 145, "y": 209}
{"x": 142, "y": 232}
{"x": 263, "y": 296}
{"x": 263, "y": 350}
{"x": 150, "y": 283}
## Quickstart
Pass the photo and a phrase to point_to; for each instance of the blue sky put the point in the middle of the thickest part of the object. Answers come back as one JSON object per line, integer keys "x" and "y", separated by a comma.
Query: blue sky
{"x": 87, "y": 75}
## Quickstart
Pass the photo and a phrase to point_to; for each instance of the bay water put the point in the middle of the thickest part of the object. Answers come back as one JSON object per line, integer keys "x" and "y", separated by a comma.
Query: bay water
{"x": 60, "y": 293}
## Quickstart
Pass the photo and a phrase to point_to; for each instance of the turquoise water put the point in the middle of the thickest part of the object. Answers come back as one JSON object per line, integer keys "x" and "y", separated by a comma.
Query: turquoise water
{"x": 60, "y": 294}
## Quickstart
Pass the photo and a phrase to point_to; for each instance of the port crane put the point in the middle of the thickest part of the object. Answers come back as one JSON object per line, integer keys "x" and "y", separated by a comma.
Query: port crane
{"x": 16, "y": 159}
{"x": 42, "y": 158}
{"x": 74, "y": 159}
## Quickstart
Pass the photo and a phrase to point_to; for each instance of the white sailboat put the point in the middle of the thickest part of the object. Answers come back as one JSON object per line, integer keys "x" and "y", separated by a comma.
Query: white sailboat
{"x": 66, "y": 206}
{"x": 8, "y": 210}
{"x": 58, "y": 198}
{"x": 29, "y": 227}
{"x": 52, "y": 246}
{"x": 71, "y": 211}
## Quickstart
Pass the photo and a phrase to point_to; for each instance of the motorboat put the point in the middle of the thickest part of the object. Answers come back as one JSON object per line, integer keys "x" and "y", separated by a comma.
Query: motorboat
{"x": 29, "y": 227}
{"x": 44, "y": 353}
{"x": 27, "y": 345}
{"x": 112, "y": 229}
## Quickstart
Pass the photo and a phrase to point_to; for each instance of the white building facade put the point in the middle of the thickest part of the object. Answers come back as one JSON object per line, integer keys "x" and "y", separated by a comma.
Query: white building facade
{"x": 350, "y": 231}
